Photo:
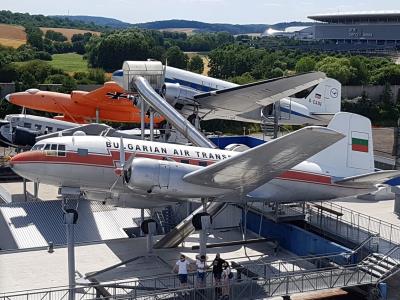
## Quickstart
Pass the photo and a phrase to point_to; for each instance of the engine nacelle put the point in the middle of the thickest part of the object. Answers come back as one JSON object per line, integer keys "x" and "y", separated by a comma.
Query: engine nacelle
{"x": 165, "y": 178}
{"x": 176, "y": 93}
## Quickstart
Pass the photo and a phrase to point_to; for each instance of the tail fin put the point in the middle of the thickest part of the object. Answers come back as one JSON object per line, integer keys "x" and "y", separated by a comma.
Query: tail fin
{"x": 353, "y": 155}
{"x": 325, "y": 98}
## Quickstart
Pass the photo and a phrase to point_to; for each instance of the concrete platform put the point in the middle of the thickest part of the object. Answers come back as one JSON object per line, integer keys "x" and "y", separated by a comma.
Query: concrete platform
{"x": 39, "y": 269}
{"x": 382, "y": 209}
{"x": 14, "y": 192}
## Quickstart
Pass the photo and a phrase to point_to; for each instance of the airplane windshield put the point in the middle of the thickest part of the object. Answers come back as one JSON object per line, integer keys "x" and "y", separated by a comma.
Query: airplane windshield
{"x": 38, "y": 147}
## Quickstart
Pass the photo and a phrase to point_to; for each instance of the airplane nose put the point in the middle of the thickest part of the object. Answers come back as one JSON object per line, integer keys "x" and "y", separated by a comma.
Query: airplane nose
{"x": 8, "y": 97}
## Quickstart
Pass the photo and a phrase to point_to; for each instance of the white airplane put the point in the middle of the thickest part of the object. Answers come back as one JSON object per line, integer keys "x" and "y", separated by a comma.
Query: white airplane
{"x": 23, "y": 130}
{"x": 19, "y": 130}
{"x": 313, "y": 163}
{"x": 188, "y": 91}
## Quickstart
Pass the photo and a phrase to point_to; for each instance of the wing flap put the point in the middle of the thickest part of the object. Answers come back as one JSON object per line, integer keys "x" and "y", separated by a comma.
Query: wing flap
{"x": 251, "y": 169}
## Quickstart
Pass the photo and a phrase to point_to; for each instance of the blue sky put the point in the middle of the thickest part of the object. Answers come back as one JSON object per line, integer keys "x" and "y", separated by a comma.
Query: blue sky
{"x": 216, "y": 11}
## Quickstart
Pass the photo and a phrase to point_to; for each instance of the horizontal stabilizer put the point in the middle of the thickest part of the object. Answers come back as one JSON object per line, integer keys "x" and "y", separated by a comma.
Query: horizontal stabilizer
{"x": 249, "y": 170}
{"x": 368, "y": 180}
{"x": 247, "y": 97}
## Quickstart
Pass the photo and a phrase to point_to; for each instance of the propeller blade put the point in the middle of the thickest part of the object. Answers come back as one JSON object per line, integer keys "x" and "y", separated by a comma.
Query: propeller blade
{"x": 129, "y": 162}
{"x": 121, "y": 152}
{"x": 115, "y": 183}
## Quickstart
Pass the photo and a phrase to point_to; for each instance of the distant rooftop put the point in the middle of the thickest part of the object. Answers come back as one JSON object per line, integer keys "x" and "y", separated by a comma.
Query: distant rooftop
{"x": 371, "y": 16}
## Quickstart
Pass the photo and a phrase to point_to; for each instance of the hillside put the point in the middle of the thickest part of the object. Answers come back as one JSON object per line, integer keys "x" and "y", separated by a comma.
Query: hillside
{"x": 185, "y": 25}
{"x": 100, "y": 21}
{"x": 25, "y": 19}
{"x": 12, "y": 35}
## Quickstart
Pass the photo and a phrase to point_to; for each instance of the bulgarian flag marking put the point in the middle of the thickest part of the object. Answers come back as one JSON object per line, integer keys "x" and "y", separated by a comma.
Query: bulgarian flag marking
{"x": 359, "y": 141}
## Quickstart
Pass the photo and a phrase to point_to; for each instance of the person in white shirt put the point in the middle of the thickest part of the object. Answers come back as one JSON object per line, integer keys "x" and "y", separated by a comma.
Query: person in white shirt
{"x": 201, "y": 265}
{"x": 226, "y": 276}
{"x": 181, "y": 267}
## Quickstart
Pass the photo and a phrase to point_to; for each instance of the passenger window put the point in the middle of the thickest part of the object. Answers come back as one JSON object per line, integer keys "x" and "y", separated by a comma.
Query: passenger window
{"x": 47, "y": 147}
{"x": 38, "y": 127}
{"x": 203, "y": 163}
{"x": 82, "y": 152}
{"x": 59, "y": 129}
{"x": 27, "y": 125}
{"x": 61, "y": 150}
{"x": 185, "y": 161}
{"x": 49, "y": 129}
{"x": 54, "y": 147}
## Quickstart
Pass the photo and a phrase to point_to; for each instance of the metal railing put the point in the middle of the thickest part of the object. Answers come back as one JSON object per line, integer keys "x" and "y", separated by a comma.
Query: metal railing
{"x": 168, "y": 287}
{"x": 352, "y": 225}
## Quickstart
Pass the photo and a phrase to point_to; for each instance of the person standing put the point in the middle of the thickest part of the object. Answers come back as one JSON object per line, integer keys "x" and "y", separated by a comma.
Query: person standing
{"x": 181, "y": 267}
{"x": 226, "y": 276}
{"x": 217, "y": 272}
{"x": 201, "y": 265}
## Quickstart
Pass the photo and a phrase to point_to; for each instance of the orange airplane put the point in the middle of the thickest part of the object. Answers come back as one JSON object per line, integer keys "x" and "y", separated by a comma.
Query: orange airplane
{"x": 108, "y": 103}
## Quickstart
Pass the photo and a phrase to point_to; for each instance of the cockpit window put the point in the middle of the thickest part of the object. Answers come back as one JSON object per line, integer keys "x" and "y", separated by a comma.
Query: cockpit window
{"x": 61, "y": 150}
{"x": 38, "y": 147}
{"x": 55, "y": 150}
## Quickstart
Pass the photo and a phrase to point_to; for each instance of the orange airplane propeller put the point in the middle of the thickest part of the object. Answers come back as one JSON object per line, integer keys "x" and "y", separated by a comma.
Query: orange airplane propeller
{"x": 109, "y": 102}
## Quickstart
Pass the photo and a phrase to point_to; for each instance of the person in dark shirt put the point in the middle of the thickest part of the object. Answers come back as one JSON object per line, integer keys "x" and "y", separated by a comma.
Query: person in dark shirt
{"x": 217, "y": 271}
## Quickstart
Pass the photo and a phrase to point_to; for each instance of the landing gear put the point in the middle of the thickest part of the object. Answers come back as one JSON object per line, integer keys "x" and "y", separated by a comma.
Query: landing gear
{"x": 202, "y": 222}
{"x": 70, "y": 202}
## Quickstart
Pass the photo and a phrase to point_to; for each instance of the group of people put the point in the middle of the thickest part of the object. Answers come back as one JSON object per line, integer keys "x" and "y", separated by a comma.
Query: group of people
{"x": 220, "y": 269}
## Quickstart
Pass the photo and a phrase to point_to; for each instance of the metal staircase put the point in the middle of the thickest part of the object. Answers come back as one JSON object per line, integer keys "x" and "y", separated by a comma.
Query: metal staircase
{"x": 166, "y": 219}
{"x": 382, "y": 266}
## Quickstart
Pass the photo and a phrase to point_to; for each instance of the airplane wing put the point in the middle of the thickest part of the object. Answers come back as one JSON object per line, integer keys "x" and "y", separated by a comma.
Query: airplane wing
{"x": 244, "y": 98}
{"x": 249, "y": 170}
{"x": 369, "y": 180}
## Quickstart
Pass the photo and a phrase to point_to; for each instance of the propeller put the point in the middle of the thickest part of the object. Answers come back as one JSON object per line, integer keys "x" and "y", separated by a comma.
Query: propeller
{"x": 124, "y": 170}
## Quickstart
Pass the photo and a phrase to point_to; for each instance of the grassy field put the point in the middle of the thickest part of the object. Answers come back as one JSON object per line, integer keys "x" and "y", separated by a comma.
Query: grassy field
{"x": 204, "y": 57}
{"x": 12, "y": 35}
{"x": 69, "y": 62}
{"x": 68, "y": 32}
{"x": 188, "y": 31}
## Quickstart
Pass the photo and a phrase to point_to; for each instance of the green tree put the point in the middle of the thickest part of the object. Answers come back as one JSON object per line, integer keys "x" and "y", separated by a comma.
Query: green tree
{"x": 55, "y": 36}
{"x": 176, "y": 58}
{"x": 338, "y": 68}
{"x": 305, "y": 64}
{"x": 34, "y": 37}
{"x": 196, "y": 64}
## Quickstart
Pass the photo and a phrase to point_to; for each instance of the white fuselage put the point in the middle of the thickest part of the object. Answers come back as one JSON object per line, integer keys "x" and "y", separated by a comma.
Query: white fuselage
{"x": 89, "y": 163}
{"x": 40, "y": 125}
{"x": 316, "y": 108}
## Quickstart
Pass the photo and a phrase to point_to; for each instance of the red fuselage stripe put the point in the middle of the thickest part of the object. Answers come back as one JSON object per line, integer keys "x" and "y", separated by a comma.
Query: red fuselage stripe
{"x": 109, "y": 160}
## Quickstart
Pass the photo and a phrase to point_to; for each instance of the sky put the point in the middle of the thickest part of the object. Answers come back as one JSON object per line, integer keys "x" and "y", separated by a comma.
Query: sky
{"x": 213, "y": 11}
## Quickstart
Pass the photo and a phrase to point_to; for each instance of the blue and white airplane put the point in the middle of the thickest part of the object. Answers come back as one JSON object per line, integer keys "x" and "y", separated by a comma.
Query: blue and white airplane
{"x": 315, "y": 103}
